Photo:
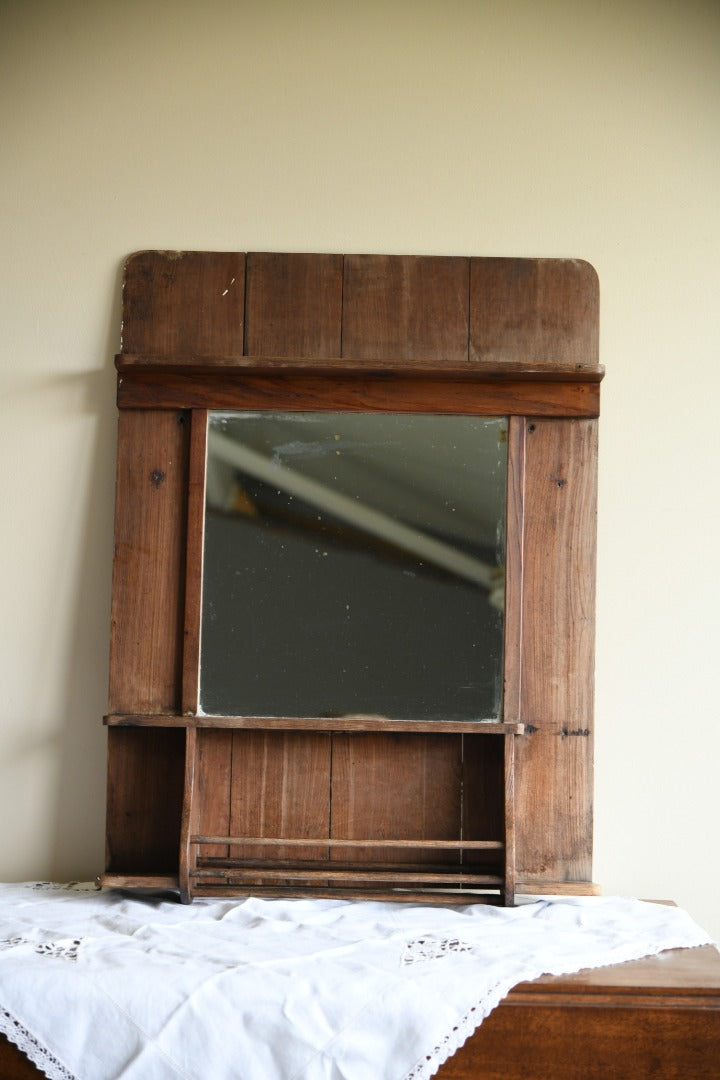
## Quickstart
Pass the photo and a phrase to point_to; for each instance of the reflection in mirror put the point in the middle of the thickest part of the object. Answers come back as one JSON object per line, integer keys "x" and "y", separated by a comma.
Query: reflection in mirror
{"x": 354, "y": 565}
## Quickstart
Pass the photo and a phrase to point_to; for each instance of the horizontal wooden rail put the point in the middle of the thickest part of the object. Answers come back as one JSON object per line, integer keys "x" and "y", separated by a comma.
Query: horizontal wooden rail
{"x": 438, "y": 895}
{"x": 321, "y": 841}
{"x": 315, "y": 723}
{"x": 339, "y": 366}
{"x": 371, "y": 876}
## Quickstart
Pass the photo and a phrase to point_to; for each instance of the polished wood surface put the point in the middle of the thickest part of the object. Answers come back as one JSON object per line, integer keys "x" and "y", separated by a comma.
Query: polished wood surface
{"x": 653, "y": 1018}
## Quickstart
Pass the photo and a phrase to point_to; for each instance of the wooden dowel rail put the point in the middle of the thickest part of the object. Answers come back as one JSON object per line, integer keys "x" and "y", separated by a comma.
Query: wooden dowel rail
{"x": 320, "y": 841}
{"x": 439, "y": 895}
{"x": 299, "y": 873}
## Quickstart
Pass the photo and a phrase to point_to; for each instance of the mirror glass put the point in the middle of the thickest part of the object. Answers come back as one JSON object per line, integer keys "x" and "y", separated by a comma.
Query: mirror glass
{"x": 354, "y": 565}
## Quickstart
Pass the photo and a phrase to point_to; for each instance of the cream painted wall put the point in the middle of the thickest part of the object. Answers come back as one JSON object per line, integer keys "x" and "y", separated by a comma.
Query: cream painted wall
{"x": 557, "y": 128}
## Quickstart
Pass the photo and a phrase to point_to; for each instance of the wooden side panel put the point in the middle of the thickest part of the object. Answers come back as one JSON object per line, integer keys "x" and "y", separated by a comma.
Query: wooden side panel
{"x": 293, "y": 305}
{"x": 148, "y": 568}
{"x": 280, "y": 788}
{"x": 542, "y": 1042}
{"x": 554, "y": 758}
{"x": 534, "y": 311}
{"x": 146, "y": 768}
{"x": 185, "y": 302}
{"x": 405, "y": 787}
{"x": 413, "y": 307}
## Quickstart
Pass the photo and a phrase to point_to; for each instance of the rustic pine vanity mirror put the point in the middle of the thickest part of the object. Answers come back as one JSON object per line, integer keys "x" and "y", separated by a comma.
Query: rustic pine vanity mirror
{"x": 353, "y": 589}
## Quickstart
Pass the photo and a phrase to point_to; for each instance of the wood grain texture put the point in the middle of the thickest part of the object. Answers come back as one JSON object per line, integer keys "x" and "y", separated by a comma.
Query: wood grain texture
{"x": 534, "y": 311}
{"x": 147, "y": 600}
{"x": 554, "y": 756}
{"x": 357, "y": 393}
{"x": 280, "y": 787}
{"x": 294, "y": 305}
{"x": 389, "y": 786}
{"x": 192, "y": 301}
{"x": 314, "y": 723}
{"x": 413, "y": 307}
{"x": 213, "y": 789}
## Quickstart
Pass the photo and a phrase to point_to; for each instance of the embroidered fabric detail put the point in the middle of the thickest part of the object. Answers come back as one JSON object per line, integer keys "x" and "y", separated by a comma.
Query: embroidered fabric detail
{"x": 61, "y": 886}
{"x": 12, "y": 943}
{"x": 58, "y": 950}
{"x": 424, "y": 949}
{"x": 14, "y": 1031}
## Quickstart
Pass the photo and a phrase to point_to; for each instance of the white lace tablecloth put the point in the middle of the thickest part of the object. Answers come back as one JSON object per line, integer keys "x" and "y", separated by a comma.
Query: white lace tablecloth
{"x": 96, "y": 986}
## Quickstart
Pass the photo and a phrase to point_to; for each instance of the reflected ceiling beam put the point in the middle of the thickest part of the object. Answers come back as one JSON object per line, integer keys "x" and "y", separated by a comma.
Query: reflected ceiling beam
{"x": 357, "y": 513}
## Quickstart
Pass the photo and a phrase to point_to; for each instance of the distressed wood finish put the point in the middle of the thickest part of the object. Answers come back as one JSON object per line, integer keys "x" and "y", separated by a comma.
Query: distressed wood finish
{"x": 294, "y": 305}
{"x": 414, "y": 307}
{"x": 356, "y": 332}
{"x": 184, "y": 302}
{"x": 149, "y": 563}
{"x": 534, "y": 311}
{"x": 280, "y": 786}
{"x": 554, "y": 756}
{"x": 389, "y": 786}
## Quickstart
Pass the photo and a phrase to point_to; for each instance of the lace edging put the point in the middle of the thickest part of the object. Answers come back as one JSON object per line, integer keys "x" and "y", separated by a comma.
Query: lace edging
{"x": 25, "y": 1041}
{"x": 460, "y": 1033}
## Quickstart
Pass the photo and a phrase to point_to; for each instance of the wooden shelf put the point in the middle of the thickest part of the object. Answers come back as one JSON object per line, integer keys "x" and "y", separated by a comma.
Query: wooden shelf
{"x": 139, "y": 881}
{"x": 129, "y": 363}
{"x": 315, "y": 723}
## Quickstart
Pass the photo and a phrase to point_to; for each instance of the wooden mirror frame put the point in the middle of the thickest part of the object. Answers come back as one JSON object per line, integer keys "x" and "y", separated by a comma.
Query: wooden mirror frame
{"x": 480, "y": 336}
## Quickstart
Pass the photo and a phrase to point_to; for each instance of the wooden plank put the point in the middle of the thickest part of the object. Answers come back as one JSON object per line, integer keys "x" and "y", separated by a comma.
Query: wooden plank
{"x": 314, "y": 723}
{"x": 184, "y": 302}
{"x": 354, "y": 875}
{"x": 293, "y": 304}
{"x": 340, "y": 842}
{"x": 148, "y": 568}
{"x": 410, "y": 306}
{"x": 388, "y": 786}
{"x": 514, "y": 554}
{"x": 169, "y": 882}
{"x": 194, "y": 561}
{"x": 214, "y": 789}
{"x": 144, "y": 800}
{"x": 280, "y": 787}
{"x": 534, "y": 311}
{"x": 436, "y": 895}
{"x": 300, "y": 364}
{"x": 539, "y": 887}
{"x": 554, "y": 756}
{"x": 356, "y": 393}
